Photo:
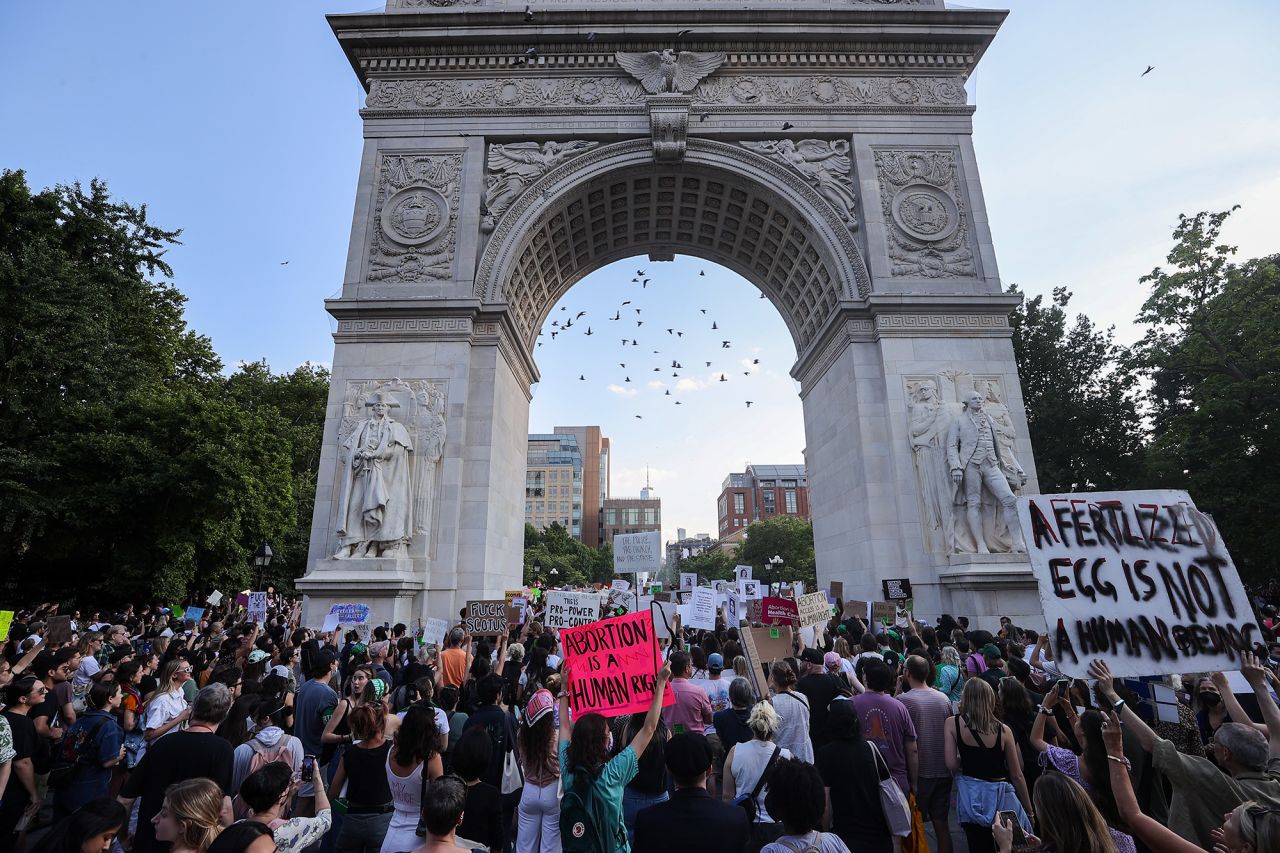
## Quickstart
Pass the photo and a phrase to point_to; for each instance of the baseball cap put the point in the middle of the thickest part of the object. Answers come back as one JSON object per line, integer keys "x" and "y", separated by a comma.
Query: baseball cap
{"x": 687, "y": 755}
{"x": 540, "y": 704}
{"x": 280, "y": 670}
{"x": 811, "y": 656}
{"x": 715, "y": 662}
{"x": 831, "y": 660}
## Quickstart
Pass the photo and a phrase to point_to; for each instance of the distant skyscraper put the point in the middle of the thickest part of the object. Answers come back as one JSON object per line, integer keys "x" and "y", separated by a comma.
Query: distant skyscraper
{"x": 761, "y": 492}
{"x": 553, "y": 482}
{"x": 595, "y": 479}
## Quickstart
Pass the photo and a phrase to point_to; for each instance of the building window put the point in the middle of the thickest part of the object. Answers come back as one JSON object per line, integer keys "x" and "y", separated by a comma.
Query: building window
{"x": 723, "y": 506}
{"x": 610, "y": 517}
{"x": 528, "y": 508}
{"x": 791, "y": 501}
{"x": 650, "y": 515}
{"x": 788, "y": 484}
{"x": 533, "y": 484}
{"x": 738, "y": 506}
{"x": 633, "y": 515}
{"x": 737, "y": 522}
{"x": 538, "y": 507}
{"x": 768, "y": 502}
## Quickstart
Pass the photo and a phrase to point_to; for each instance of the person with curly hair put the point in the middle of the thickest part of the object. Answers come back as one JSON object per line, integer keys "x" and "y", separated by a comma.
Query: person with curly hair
{"x": 797, "y": 800}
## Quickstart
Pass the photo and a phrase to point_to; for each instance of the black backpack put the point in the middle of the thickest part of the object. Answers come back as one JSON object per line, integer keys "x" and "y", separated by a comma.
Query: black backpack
{"x": 581, "y": 821}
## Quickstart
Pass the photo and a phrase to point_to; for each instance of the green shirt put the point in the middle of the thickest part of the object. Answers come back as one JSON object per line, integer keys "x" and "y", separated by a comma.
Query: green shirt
{"x": 1202, "y": 793}
{"x": 608, "y": 787}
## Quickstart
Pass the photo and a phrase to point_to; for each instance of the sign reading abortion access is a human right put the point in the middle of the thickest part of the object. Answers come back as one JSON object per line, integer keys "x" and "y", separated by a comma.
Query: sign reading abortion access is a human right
{"x": 1140, "y": 578}
{"x": 613, "y": 665}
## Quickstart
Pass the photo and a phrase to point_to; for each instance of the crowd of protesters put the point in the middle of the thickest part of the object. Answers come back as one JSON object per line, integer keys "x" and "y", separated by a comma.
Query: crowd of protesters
{"x": 144, "y": 731}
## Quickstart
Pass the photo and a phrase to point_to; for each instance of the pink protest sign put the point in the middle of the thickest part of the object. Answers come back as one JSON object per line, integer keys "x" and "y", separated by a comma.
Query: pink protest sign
{"x": 613, "y": 664}
{"x": 779, "y": 611}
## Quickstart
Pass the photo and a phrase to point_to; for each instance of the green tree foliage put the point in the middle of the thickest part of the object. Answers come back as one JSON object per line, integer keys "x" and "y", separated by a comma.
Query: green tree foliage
{"x": 575, "y": 564}
{"x": 128, "y": 464}
{"x": 710, "y": 565}
{"x": 1081, "y": 398}
{"x": 1211, "y": 353}
{"x": 785, "y": 536}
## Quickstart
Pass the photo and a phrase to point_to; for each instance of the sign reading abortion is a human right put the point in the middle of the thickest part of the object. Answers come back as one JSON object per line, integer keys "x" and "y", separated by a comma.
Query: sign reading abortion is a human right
{"x": 1140, "y": 578}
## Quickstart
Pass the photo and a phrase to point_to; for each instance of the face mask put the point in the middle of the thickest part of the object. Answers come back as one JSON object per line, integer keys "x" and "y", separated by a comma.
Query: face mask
{"x": 1210, "y": 699}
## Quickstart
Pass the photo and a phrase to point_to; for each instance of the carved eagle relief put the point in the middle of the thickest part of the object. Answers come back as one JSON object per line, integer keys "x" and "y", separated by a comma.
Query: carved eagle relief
{"x": 669, "y": 71}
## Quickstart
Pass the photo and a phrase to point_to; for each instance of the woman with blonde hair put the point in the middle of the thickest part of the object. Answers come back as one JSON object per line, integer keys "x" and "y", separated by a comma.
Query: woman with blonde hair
{"x": 747, "y": 768}
{"x": 948, "y": 675}
{"x": 983, "y": 754}
{"x": 1069, "y": 822}
{"x": 741, "y": 669}
{"x": 191, "y": 815}
{"x": 167, "y": 707}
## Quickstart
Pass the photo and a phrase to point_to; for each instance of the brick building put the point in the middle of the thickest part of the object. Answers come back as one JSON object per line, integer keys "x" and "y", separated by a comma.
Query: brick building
{"x": 759, "y": 493}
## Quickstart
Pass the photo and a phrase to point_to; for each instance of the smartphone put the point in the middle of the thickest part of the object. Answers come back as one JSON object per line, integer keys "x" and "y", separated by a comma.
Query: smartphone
{"x": 1063, "y": 686}
{"x": 1019, "y": 837}
{"x": 308, "y": 767}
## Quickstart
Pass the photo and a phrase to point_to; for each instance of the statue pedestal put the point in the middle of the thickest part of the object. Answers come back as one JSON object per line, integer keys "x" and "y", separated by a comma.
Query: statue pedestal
{"x": 392, "y": 587}
{"x": 985, "y": 587}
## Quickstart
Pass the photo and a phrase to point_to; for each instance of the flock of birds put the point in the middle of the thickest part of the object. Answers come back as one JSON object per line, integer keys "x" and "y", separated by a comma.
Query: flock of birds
{"x": 639, "y": 360}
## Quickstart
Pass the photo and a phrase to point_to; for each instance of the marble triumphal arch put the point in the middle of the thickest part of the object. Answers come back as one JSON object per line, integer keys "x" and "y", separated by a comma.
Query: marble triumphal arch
{"x": 820, "y": 148}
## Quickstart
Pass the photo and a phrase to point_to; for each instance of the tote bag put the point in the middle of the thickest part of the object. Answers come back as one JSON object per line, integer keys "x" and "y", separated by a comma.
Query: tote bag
{"x": 897, "y": 814}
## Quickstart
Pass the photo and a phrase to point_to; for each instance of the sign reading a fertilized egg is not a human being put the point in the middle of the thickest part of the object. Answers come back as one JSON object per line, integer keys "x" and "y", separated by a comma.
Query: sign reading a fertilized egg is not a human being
{"x": 1140, "y": 578}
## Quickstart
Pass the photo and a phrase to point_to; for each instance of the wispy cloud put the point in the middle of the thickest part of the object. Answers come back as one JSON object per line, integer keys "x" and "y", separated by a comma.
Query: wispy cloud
{"x": 623, "y": 392}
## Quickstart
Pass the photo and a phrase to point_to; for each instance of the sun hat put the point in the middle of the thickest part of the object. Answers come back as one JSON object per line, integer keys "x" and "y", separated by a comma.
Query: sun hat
{"x": 540, "y": 704}
{"x": 258, "y": 655}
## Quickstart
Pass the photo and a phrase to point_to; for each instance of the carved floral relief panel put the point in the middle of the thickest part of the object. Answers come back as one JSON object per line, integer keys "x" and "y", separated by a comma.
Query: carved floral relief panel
{"x": 415, "y": 217}
{"x": 926, "y": 223}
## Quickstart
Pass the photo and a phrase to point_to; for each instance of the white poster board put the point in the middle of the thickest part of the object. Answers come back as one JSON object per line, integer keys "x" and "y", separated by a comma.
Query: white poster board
{"x": 637, "y": 552}
{"x": 702, "y": 609}
{"x": 742, "y": 573}
{"x": 750, "y": 590}
{"x": 814, "y": 609}
{"x": 570, "y": 609}
{"x": 688, "y": 580}
{"x": 732, "y": 611}
{"x": 257, "y": 609}
{"x": 620, "y": 585}
{"x": 1141, "y": 578}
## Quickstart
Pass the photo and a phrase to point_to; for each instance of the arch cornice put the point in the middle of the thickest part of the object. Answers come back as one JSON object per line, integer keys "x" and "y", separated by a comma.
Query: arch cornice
{"x": 835, "y": 243}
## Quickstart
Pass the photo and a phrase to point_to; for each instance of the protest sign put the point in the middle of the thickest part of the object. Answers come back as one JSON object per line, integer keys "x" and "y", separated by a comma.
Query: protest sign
{"x": 257, "y": 607}
{"x": 813, "y": 609}
{"x": 194, "y": 614}
{"x": 732, "y": 610}
{"x": 613, "y": 665}
{"x": 742, "y": 573}
{"x": 896, "y": 589}
{"x": 1141, "y": 578}
{"x": 215, "y": 598}
{"x": 753, "y": 610}
{"x": 664, "y": 614}
{"x": 242, "y": 599}
{"x": 6, "y": 621}
{"x": 688, "y": 580}
{"x": 487, "y": 618}
{"x": 435, "y": 630}
{"x": 702, "y": 609}
{"x": 798, "y": 588}
{"x": 860, "y": 609}
{"x": 620, "y": 585}
{"x": 655, "y": 588}
{"x": 770, "y": 644}
{"x": 778, "y": 611}
{"x": 884, "y": 612}
{"x": 836, "y": 589}
{"x": 345, "y": 614}
{"x": 749, "y": 589}
{"x": 637, "y": 552}
{"x": 570, "y": 609}
{"x": 58, "y": 630}
{"x": 663, "y": 596}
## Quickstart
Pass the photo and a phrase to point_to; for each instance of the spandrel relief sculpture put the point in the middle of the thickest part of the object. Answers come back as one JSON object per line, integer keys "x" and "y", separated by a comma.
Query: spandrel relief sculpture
{"x": 966, "y": 470}
{"x": 390, "y": 444}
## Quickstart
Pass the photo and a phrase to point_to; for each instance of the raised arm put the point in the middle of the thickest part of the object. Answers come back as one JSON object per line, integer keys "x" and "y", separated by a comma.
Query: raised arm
{"x": 1152, "y": 833}
{"x": 1253, "y": 671}
{"x": 1106, "y": 685}
{"x": 640, "y": 742}
{"x": 1037, "y": 728}
{"x": 566, "y": 721}
{"x": 1235, "y": 711}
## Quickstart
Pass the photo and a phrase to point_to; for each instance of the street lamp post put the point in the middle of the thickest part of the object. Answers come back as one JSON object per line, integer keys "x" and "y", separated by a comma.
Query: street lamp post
{"x": 262, "y": 559}
{"x": 554, "y": 573}
{"x": 776, "y": 562}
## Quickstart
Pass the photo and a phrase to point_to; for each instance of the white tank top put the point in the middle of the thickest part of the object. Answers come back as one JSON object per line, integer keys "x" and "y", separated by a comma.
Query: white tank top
{"x": 749, "y": 761}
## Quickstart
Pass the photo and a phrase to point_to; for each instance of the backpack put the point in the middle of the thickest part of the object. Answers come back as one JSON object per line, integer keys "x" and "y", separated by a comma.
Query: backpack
{"x": 71, "y": 752}
{"x": 581, "y": 823}
{"x": 262, "y": 756}
{"x": 814, "y": 846}
{"x": 749, "y": 802}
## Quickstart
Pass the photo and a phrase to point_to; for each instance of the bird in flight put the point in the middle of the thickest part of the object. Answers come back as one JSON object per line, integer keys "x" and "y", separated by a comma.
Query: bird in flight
{"x": 589, "y": 332}
{"x": 564, "y": 307}
{"x": 639, "y": 323}
{"x": 671, "y": 331}
{"x": 624, "y": 342}
{"x": 708, "y": 364}
{"x": 702, "y": 272}
{"x": 1150, "y": 68}
{"x": 723, "y": 378}
{"x": 553, "y": 335}
{"x": 755, "y": 361}
{"x": 639, "y": 272}
{"x": 581, "y": 378}
{"x": 749, "y": 404}
{"x": 591, "y": 36}
{"x": 581, "y": 314}
{"x": 623, "y": 366}
{"x": 703, "y": 310}
{"x": 724, "y": 344}
{"x": 628, "y": 379}
{"x": 628, "y": 302}
{"x": 633, "y": 342}
{"x": 617, "y": 316}
{"x": 668, "y": 394}
{"x": 678, "y": 403}
{"x": 714, "y": 326}
{"x": 703, "y": 116}
{"x": 284, "y": 263}
{"x": 528, "y": 13}
{"x": 786, "y": 125}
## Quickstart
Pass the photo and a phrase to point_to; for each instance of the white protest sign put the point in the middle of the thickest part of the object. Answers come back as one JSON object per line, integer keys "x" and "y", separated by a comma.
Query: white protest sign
{"x": 732, "y": 614}
{"x": 435, "y": 630}
{"x": 1141, "y": 578}
{"x": 742, "y": 573}
{"x": 664, "y": 614}
{"x": 620, "y": 585}
{"x": 257, "y": 609}
{"x": 702, "y": 609}
{"x": 798, "y": 586}
{"x": 637, "y": 552}
{"x": 214, "y": 598}
{"x": 749, "y": 590}
{"x": 688, "y": 580}
{"x": 814, "y": 609}
{"x": 569, "y": 609}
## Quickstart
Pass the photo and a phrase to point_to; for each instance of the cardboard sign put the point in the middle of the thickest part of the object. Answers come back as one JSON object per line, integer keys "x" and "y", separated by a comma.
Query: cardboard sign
{"x": 257, "y": 608}
{"x": 663, "y": 596}
{"x": 702, "y": 609}
{"x": 215, "y": 598}
{"x": 613, "y": 665}
{"x": 896, "y": 589}
{"x": 58, "y": 630}
{"x": 836, "y": 588}
{"x": 637, "y": 552}
{"x": 859, "y": 609}
{"x": 778, "y": 611}
{"x": 1141, "y": 578}
{"x": 435, "y": 630}
{"x": 487, "y": 618}
{"x": 884, "y": 612}
{"x": 813, "y": 609}
{"x": 750, "y": 590}
{"x": 688, "y": 580}
{"x": 742, "y": 573}
{"x": 571, "y": 609}
{"x": 6, "y": 622}
{"x": 770, "y": 644}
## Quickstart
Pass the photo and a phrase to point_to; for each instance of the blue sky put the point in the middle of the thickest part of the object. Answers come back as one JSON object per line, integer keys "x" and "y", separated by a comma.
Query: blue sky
{"x": 237, "y": 122}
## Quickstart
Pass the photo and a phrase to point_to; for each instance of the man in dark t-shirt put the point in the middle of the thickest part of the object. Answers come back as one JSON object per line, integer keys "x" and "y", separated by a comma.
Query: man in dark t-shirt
{"x": 819, "y": 687}
{"x": 20, "y": 697}
{"x": 196, "y": 752}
